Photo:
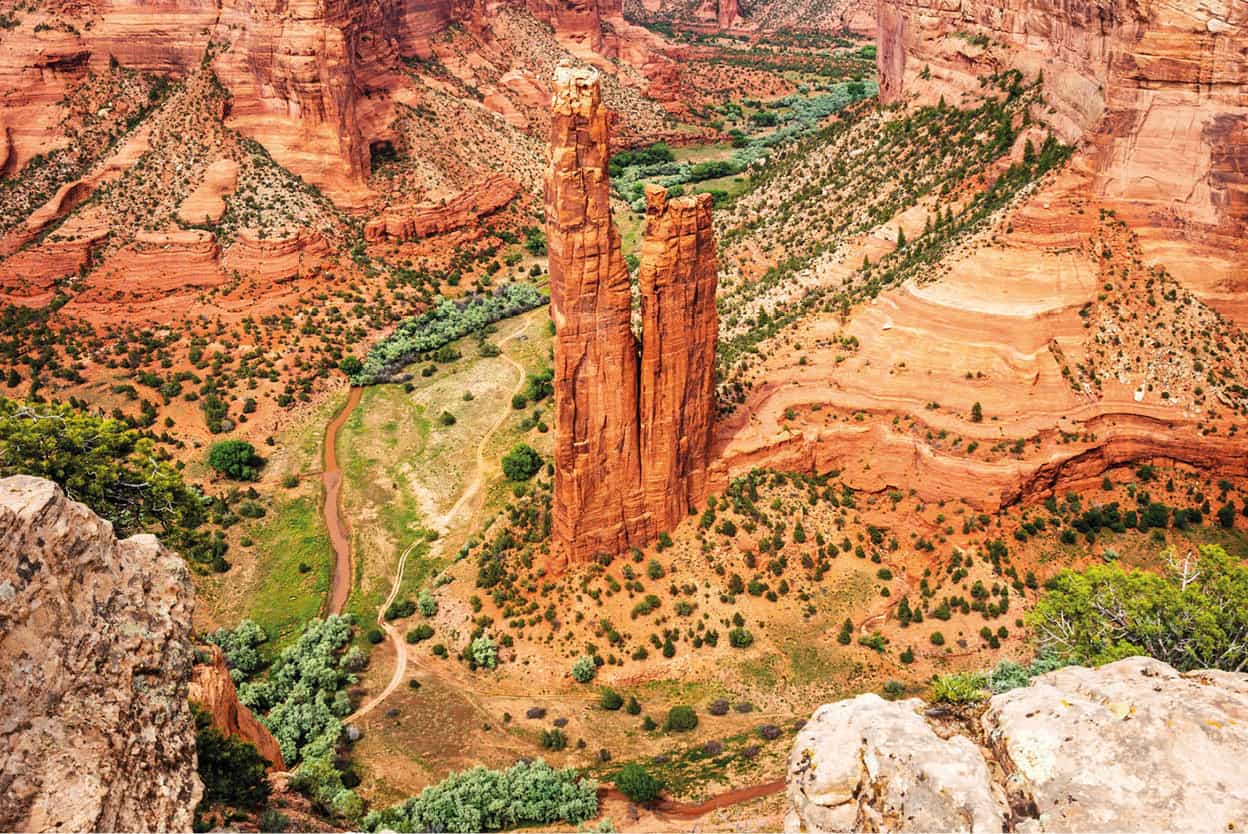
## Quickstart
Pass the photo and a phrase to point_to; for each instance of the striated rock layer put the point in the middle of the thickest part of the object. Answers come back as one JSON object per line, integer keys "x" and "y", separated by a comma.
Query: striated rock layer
{"x": 631, "y": 443}
{"x": 95, "y": 657}
{"x": 464, "y": 209}
{"x": 213, "y": 690}
{"x": 1131, "y": 746}
{"x": 678, "y": 277}
{"x": 1154, "y": 90}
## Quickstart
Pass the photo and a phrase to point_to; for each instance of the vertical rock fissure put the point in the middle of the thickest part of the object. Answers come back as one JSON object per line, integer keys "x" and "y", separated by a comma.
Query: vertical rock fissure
{"x": 632, "y": 428}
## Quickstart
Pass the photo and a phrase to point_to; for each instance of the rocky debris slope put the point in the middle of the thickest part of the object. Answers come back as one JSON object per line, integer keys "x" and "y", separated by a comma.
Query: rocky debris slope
{"x": 1131, "y": 746}
{"x": 631, "y": 444}
{"x": 95, "y": 647}
{"x": 213, "y": 690}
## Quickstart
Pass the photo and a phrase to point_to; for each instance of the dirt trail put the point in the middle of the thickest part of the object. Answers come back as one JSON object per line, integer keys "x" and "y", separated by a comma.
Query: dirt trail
{"x": 667, "y": 808}
{"x": 396, "y": 638}
{"x": 473, "y": 488}
{"x": 339, "y": 532}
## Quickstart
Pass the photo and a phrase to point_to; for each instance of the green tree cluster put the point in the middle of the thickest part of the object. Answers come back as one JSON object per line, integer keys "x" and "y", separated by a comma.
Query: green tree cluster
{"x": 446, "y": 322}
{"x": 235, "y": 459}
{"x": 635, "y": 782}
{"x": 521, "y": 463}
{"x": 232, "y": 771}
{"x": 526, "y": 794}
{"x": 113, "y": 469}
{"x": 1194, "y": 615}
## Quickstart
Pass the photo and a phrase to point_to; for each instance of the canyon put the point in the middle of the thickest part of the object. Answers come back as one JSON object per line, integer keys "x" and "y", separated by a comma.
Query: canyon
{"x": 632, "y": 439}
{"x": 852, "y": 349}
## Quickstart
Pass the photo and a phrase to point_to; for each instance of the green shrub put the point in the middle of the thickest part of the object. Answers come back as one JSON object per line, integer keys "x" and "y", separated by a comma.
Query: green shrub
{"x": 680, "y": 719}
{"x": 420, "y": 633}
{"x": 963, "y": 688}
{"x": 553, "y": 739}
{"x": 584, "y": 669}
{"x": 483, "y": 652}
{"x": 399, "y": 609}
{"x": 636, "y": 783}
{"x": 235, "y": 459}
{"x": 521, "y": 463}
{"x": 610, "y": 699}
{"x": 740, "y": 638}
{"x": 427, "y": 604}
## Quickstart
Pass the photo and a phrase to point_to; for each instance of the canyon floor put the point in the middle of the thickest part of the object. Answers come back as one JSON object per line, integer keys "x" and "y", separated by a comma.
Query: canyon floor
{"x": 948, "y": 368}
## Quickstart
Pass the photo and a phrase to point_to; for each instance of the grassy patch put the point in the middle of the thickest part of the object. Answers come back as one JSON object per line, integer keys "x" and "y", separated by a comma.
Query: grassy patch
{"x": 284, "y": 597}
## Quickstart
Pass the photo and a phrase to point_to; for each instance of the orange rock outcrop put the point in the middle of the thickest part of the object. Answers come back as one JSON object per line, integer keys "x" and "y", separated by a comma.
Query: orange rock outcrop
{"x": 464, "y": 209}
{"x": 298, "y": 253}
{"x": 631, "y": 441}
{"x": 678, "y": 276}
{"x": 213, "y": 690}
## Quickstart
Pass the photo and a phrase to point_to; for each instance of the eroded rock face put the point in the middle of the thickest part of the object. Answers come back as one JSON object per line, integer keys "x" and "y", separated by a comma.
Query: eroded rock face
{"x": 1137, "y": 82}
{"x": 95, "y": 654}
{"x": 873, "y": 765}
{"x": 213, "y": 690}
{"x": 597, "y": 496}
{"x": 464, "y": 209}
{"x": 1131, "y": 746}
{"x": 631, "y": 444}
{"x": 680, "y": 326}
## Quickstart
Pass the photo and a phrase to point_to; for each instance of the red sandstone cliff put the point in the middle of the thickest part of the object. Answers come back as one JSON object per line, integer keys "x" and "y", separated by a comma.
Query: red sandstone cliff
{"x": 213, "y": 690}
{"x": 1154, "y": 91}
{"x": 678, "y": 276}
{"x": 631, "y": 445}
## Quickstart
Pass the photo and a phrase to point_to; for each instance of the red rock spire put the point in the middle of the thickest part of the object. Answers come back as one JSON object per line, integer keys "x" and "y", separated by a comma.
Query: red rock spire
{"x": 631, "y": 445}
{"x": 597, "y": 500}
{"x": 680, "y": 327}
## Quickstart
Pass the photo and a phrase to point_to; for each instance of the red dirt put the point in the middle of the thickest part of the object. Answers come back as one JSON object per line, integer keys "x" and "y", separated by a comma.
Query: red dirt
{"x": 683, "y": 810}
{"x": 339, "y": 532}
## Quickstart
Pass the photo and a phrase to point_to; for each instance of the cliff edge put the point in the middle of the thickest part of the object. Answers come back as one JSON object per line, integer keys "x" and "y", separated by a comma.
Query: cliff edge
{"x": 95, "y": 658}
{"x": 1131, "y": 746}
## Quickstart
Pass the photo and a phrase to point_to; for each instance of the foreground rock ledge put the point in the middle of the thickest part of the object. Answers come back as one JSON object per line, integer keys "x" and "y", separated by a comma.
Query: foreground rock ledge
{"x": 95, "y": 658}
{"x": 1131, "y": 746}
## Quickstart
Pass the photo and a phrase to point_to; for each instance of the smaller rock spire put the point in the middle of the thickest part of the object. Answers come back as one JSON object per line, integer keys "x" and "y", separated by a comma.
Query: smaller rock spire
{"x": 680, "y": 326}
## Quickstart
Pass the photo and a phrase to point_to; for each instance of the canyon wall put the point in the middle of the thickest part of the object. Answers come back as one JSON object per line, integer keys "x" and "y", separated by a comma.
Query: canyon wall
{"x": 1133, "y": 745}
{"x": 95, "y": 661}
{"x": 1156, "y": 93}
{"x": 313, "y": 81}
{"x": 631, "y": 443}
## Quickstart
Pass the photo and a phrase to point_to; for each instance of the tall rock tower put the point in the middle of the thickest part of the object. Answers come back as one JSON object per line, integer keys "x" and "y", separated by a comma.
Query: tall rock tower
{"x": 597, "y": 502}
{"x": 631, "y": 443}
{"x": 679, "y": 275}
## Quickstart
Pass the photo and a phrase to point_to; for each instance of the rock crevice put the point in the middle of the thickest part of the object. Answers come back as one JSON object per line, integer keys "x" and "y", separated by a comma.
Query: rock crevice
{"x": 1108, "y": 749}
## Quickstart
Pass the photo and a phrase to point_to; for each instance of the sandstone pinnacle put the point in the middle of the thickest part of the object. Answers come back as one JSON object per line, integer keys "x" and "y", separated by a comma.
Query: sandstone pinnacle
{"x": 631, "y": 438}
